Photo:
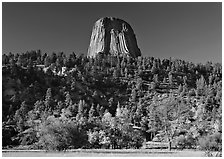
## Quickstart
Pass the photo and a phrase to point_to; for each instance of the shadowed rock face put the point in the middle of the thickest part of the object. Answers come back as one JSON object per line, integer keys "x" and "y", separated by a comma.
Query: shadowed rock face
{"x": 113, "y": 36}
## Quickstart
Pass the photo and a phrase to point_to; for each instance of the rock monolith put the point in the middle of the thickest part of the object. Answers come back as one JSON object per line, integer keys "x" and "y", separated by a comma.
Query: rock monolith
{"x": 113, "y": 36}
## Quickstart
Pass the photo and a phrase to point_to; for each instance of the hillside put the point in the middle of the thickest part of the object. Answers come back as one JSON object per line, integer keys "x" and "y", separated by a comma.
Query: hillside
{"x": 109, "y": 101}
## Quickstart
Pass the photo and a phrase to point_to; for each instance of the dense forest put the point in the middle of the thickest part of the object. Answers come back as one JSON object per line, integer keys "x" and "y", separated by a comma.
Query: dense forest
{"x": 57, "y": 102}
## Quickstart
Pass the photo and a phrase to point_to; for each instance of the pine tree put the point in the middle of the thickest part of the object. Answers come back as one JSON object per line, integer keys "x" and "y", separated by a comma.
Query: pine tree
{"x": 20, "y": 116}
{"x": 60, "y": 106}
{"x": 118, "y": 110}
{"x": 48, "y": 100}
{"x": 12, "y": 62}
{"x": 68, "y": 100}
{"x": 164, "y": 80}
{"x": 80, "y": 110}
{"x": 139, "y": 84}
{"x": 115, "y": 73}
{"x": 154, "y": 68}
{"x": 152, "y": 86}
{"x": 15, "y": 100}
{"x": 101, "y": 112}
{"x": 121, "y": 72}
{"x": 123, "y": 63}
{"x": 91, "y": 113}
{"x": 133, "y": 95}
{"x": 73, "y": 85}
{"x": 39, "y": 106}
{"x": 170, "y": 78}
{"x": 110, "y": 102}
{"x": 182, "y": 93}
{"x": 80, "y": 107}
{"x": 155, "y": 78}
{"x": 98, "y": 109}
{"x": 201, "y": 85}
{"x": 139, "y": 110}
{"x": 173, "y": 68}
{"x": 20, "y": 61}
{"x": 126, "y": 72}
{"x": 180, "y": 89}
{"x": 185, "y": 80}
{"x": 47, "y": 61}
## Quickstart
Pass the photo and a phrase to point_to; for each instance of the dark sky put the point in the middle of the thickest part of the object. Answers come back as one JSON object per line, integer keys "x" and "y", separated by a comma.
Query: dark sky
{"x": 190, "y": 31}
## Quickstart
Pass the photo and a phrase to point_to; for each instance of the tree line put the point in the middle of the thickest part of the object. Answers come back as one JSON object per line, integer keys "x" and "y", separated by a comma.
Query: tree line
{"x": 71, "y": 101}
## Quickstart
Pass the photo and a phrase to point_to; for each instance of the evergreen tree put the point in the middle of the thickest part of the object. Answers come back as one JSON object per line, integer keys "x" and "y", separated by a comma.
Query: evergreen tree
{"x": 133, "y": 95}
{"x": 155, "y": 78}
{"x": 60, "y": 106}
{"x": 48, "y": 100}
{"x": 201, "y": 85}
{"x": 20, "y": 116}
{"x": 154, "y": 68}
{"x": 180, "y": 89}
{"x": 98, "y": 109}
{"x": 68, "y": 100}
{"x": 164, "y": 80}
{"x": 81, "y": 107}
{"x": 170, "y": 78}
{"x": 47, "y": 61}
{"x": 118, "y": 110}
{"x": 110, "y": 102}
{"x": 139, "y": 84}
{"x": 91, "y": 113}
{"x": 185, "y": 80}
{"x": 101, "y": 111}
{"x": 115, "y": 73}
{"x": 39, "y": 106}
{"x": 126, "y": 72}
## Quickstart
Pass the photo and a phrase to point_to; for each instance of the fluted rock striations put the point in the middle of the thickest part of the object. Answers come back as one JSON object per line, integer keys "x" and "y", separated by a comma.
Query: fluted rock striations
{"x": 113, "y": 36}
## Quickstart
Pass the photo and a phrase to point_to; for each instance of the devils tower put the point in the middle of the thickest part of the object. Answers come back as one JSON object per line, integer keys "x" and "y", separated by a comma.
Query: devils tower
{"x": 113, "y": 36}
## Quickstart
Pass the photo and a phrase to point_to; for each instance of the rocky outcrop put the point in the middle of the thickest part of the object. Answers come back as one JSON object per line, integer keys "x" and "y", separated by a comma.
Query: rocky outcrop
{"x": 113, "y": 36}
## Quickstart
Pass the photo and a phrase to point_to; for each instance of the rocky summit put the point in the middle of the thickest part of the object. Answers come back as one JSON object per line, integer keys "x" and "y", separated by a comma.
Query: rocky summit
{"x": 113, "y": 36}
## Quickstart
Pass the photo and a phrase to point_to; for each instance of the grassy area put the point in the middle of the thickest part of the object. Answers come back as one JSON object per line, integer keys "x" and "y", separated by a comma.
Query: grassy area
{"x": 105, "y": 153}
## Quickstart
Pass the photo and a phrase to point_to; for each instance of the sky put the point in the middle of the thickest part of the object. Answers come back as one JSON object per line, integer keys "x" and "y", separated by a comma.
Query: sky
{"x": 184, "y": 30}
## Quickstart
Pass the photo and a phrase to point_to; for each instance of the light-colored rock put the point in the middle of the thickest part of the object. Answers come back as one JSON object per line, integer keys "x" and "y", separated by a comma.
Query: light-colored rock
{"x": 113, "y": 36}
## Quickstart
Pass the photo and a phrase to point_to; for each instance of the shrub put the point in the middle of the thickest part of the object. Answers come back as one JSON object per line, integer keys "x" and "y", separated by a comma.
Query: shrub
{"x": 8, "y": 135}
{"x": 191, "y": 92}
{"x": 136, "y": 139}
{"x": 116, "y": 136}
{"x": 190, "y": 141}
{"x": 60, "y": 135}
{"x": 211, "y": 142}
{"x": 93, "y": 139}
{"x": 185, "y": 141}
{"x": 180, "y": 142}
{"x": 28, "y": 137}
{"x": 98, "y": 139}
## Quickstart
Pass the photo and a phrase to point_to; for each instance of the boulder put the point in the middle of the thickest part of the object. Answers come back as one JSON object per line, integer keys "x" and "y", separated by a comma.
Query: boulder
{"x": 113, "y": 36}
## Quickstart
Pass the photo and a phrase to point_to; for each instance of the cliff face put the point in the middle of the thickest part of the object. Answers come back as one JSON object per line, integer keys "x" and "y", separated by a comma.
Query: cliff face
{"x": 113, "y": 36}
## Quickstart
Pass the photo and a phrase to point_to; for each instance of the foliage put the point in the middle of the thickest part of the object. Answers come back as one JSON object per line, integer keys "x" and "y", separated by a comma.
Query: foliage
{"x": 185, "y": 142}
{"x": 60, "y": 135}
{"x": 109, "y": 101}
{"x": 211, "y": 142}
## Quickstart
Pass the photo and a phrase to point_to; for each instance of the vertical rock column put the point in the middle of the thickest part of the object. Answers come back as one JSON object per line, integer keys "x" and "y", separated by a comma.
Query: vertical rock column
{"x": 113, "y": 36}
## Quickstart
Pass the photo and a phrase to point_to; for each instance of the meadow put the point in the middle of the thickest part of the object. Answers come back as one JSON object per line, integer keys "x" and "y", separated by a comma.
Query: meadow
{"x": 105, "y": 153}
